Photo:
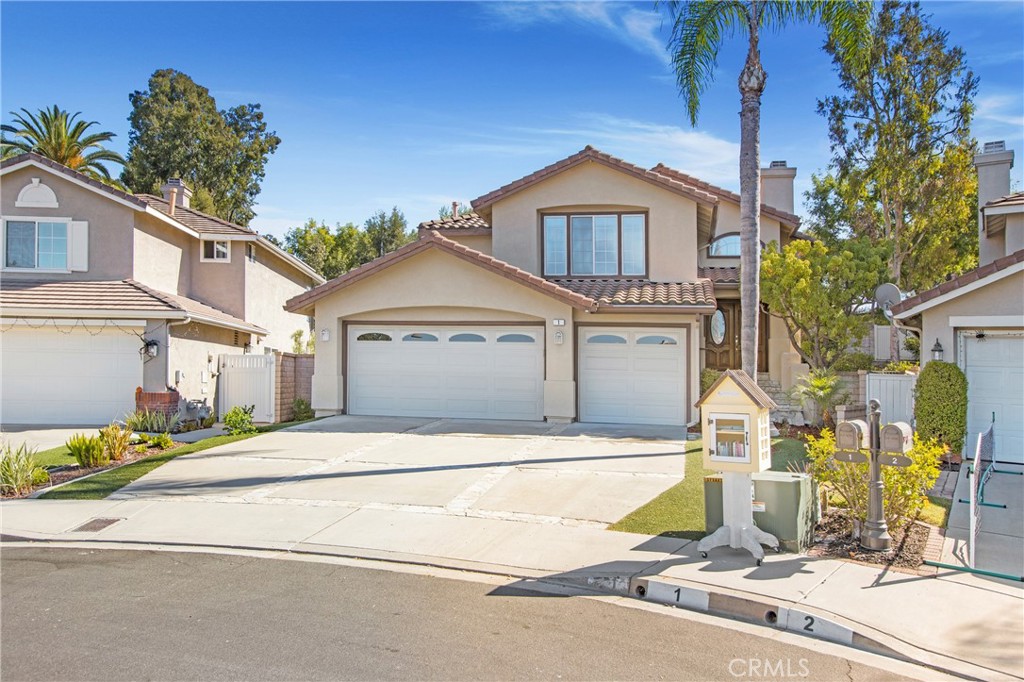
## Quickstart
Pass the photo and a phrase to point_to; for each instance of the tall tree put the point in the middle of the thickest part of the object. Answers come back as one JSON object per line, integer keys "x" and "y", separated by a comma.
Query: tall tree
{"x": 177, "y": 131}
{"x": 60, "y": 137}
{"x": 387, "y": 231}
{"x": 699, "y": 28}
{"x": 901, "y": 172}
{"x": 329, "y": 253}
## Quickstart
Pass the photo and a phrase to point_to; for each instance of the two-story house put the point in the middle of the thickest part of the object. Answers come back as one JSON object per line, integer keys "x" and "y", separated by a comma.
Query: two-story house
{"x": 976, "y": 320}
{"x": 592, "y": 289}
{"x": 103, "y": 292}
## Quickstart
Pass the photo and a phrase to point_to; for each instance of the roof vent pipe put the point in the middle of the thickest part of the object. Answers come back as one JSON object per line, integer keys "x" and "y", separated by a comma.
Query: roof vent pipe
{"x": 173, "y": 199}
{"x": 455, "y": 209}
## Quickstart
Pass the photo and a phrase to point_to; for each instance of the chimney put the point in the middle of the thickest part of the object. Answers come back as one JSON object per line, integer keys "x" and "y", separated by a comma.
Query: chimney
{"x": 455, "y": 209}
{"x": 777, "y": 186}
{"x": 993, "y": 164}
{"x": 177, "y": 193}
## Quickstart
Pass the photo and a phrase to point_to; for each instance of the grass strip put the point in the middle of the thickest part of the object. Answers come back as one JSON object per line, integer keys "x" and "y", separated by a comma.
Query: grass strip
{"x": 102, "y": 485}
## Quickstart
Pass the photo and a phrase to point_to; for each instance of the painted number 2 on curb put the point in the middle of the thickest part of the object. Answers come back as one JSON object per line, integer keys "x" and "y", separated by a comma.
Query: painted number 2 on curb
{"x": 805, "y": 623}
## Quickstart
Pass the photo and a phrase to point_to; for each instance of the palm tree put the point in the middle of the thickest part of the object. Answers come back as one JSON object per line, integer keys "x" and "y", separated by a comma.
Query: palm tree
{"x": 699, "y": 28}
{"x": 58, "y": 136}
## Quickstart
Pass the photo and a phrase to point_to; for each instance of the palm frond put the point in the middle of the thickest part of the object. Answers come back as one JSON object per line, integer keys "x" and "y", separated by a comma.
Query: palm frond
{"x": 847, "y": 21}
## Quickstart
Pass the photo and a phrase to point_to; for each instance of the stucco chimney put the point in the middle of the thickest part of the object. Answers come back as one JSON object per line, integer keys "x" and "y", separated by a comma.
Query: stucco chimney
{"x": 777, "y": 186}
{"x": 455, "y": 209}
{"x": 176, "y": 192}
{"x": 993, "y": 164}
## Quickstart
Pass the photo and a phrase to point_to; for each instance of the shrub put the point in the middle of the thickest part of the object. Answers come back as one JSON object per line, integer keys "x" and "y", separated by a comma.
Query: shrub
{"x": 708, "y": 377}
{"x": 209, "y": 421}
{"x": 851, "y": 362}
{"x": 940, "y": 404}
{"x": 116, "y": 440}
{"x": 152, "y": 421}
{"x": 301, "y": 410}
{"x": 821, "y": 387}
{"x": 18, "y": 469}
{"x": 904, "y": 488}
{"x": 163, "y": 441}
{"x": 239, "y": 420}
{"x": 900, "y": 367}
{"x": 87, "y": 450}
{"x": 913, "y": 345}
{"x": 141, "y": 448}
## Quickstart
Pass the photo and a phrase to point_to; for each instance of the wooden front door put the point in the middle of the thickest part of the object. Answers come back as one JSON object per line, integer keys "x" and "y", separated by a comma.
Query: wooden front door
{"x": 722, "y": 338}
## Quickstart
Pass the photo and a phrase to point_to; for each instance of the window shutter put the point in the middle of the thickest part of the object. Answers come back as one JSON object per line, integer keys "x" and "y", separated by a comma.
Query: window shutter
{"x": 78, "y": 246}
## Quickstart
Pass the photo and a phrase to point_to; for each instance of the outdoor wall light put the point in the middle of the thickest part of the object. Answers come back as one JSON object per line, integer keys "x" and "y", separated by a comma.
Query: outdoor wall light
{"x": 151, "y": 349}
{"x": 937, "y": 350}
{"x": 325, "y": 335}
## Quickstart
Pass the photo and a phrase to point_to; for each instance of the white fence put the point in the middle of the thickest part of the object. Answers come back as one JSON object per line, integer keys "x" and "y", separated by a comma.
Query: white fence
{"x": 895, "y": 393}
{"x": 248, "y": 380}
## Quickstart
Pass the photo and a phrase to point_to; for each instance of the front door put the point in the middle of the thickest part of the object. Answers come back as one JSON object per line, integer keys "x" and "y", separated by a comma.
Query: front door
{"x": 722, "y": 338}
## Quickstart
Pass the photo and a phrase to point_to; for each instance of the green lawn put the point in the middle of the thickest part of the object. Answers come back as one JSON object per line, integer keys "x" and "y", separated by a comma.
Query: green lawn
{"x": 679, "y": 511}
{"x": 100, "y": 486}
{"x": 54, "y": 457}
{"x": 936, "y": 511}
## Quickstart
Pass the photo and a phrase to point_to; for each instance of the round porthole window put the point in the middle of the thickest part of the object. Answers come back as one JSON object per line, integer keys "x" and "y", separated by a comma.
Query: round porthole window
{"x": 718, "y": 327}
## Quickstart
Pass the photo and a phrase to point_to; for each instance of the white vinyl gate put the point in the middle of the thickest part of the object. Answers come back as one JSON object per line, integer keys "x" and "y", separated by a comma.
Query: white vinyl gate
{"x": 895, "y": 393}
{"x": 248, "y": 380}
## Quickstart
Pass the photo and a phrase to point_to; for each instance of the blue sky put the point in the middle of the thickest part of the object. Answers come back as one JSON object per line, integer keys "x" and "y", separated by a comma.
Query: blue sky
{"x": 418, "y": 104}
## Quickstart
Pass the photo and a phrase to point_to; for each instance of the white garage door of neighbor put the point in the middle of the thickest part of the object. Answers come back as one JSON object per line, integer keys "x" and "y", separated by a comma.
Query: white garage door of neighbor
{"x": 83, "y": 377}
{"x": 995, "y": 385}
{"x": 632, "y": 376}
{"x": 432, "y": 371}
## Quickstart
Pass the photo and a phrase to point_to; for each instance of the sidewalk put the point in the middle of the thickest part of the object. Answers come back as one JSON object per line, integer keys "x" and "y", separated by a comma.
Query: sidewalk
{"x": 955, "y": 622}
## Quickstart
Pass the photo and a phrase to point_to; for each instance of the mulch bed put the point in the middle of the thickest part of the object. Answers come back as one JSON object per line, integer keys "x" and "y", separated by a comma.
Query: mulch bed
{"x": 69, "y": 472}
{"x": 833, "y": 538}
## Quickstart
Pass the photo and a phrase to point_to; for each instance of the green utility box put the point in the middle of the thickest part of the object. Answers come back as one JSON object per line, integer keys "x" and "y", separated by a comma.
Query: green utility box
{"x": 784, "y": 505}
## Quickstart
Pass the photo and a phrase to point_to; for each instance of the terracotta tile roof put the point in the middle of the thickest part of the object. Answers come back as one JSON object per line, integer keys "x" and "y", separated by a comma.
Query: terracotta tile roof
{"x": 467, "y": 221}
{"x": 959, "y": 282}
{"x": 590, "y": 154}
{"x": 632, "y": 292}
{"x": 117, "y": 298}
{"x": 200, "y": 222}
{"x": 722, "y": 193}
{"x": 720, "y": 275}
{"x": 745, "y": 384}
{"x": 60, "y": 168}
{"x": 1015, "y": 199}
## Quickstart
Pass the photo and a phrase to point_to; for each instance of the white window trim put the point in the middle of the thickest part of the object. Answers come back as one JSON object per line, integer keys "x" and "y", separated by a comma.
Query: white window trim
{"x": 204, "y": 259}
{"x": 712, "y": 427}
{"x": 35, "y": 219}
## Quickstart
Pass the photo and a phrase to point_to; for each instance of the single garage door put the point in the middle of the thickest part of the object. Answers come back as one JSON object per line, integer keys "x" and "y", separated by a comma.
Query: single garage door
{"x": 632, "y": 376}
{"x": 82, "y": 377}
{"x": 427, "y": 371}
{"x": 995, "y": 385}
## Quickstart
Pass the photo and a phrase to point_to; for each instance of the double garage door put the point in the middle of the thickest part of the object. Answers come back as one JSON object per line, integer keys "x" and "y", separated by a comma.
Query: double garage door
{"x": 994, "y": 365}
{"x": 426, "y": 371}
{"x": 75, "y": 378}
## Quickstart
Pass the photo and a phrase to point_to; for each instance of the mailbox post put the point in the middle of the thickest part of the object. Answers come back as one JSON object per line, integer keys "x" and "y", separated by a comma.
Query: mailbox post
{"x": 885, "y": 446}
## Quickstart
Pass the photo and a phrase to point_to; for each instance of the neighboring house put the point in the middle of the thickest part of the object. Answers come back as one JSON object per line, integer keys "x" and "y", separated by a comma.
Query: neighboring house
{"x": 977, "y": 319}
{"x": 102, "y": 292}
{"x": 592, "y": 289}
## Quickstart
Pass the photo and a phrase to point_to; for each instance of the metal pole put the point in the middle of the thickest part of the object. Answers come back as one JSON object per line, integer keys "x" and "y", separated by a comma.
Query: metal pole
{"x": 876, "y": 532}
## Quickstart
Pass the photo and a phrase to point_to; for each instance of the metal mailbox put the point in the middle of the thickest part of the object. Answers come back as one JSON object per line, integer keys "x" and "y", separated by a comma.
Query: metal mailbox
{"x": 852, "y": 436}
{"x": 896, "y": 438}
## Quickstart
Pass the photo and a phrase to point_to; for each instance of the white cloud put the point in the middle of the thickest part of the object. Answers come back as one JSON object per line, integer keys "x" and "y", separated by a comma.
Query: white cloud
{"x": 635, "y": 28}
{"x": 1000, "y": 114}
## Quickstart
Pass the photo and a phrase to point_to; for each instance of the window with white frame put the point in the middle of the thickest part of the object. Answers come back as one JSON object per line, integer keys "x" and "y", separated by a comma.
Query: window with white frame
{"x": 595, "y": 245}
{"x": 216, "y": 250}
{"x": 36, "y": 244}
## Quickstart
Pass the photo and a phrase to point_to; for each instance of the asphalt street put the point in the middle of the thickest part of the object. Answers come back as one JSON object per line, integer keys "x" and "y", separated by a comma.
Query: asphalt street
{"x": 84, "y": 614}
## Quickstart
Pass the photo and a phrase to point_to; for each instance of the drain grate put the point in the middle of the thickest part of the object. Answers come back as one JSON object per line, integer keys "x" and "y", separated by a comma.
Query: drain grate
{"x": 95, "y": 525}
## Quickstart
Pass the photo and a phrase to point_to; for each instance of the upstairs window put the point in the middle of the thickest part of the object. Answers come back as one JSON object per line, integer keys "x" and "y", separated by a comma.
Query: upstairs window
{"x": 597, "y": 245}
{"x": 726, "y": 246}
{"x": 35, "y": 245}
{"x": 215, "y": 250}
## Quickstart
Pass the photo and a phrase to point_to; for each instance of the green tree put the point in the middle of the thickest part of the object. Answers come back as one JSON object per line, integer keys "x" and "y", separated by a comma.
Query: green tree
{"x": 699, "y": 28}
{"x": 901, "y": 172}
{"x": 816, "y": 292}
{"x": 177, "y": 131}
{"x": 60, "y": 137}
{"x": 329, "y": 253}
{"x": 387, "y": 232}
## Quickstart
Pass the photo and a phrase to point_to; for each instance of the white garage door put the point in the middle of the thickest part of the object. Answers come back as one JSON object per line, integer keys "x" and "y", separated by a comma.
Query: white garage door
{"x": 425, "y": 371}
{"x": 995, "y": 385}
{"x": 49, "y": 377}
{"x": 632, "y": 376}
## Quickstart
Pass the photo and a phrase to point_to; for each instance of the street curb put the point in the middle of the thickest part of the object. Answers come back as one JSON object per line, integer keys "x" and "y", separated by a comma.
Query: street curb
{"x": 719, "y": 602}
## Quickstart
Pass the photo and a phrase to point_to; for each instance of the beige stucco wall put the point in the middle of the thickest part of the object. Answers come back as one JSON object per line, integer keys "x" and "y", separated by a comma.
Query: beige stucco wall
{"x": 728, "y": 222}
{"x": 110, "y": 224}
{"x": 269, "y": 282}
{"x": 161, "y": 255}
{"x": 672, "y": 219}
{"x": 194, "y": 350}
{"x": 219, "y": 284}
{"x": 465, "y": 292}
{"x": 1014, "y": 238}
{"x": 1002, "y": 298}
{"x": 481, "y": 243}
